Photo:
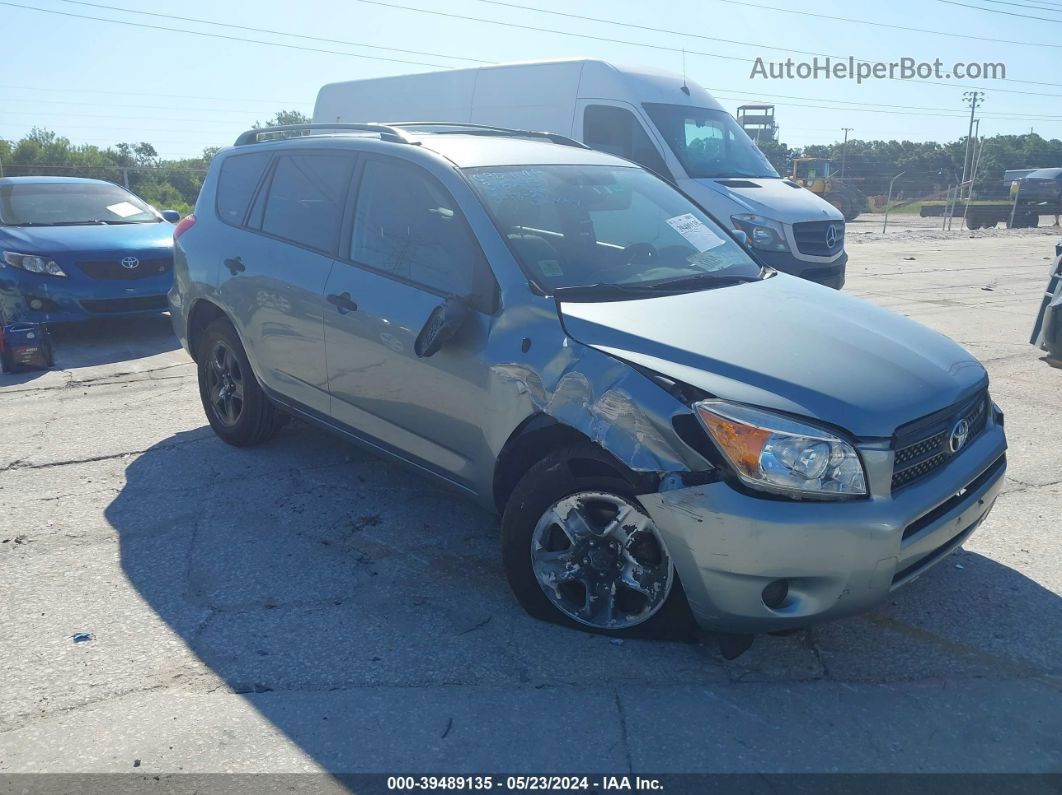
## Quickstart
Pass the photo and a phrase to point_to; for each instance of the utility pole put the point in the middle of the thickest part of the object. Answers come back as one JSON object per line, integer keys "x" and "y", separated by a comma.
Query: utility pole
{"x": 844, "y": 148}
{"x": 974, "y": 98}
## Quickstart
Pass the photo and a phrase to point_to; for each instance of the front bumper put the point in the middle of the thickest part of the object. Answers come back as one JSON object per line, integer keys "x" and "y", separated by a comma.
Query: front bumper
{"x": 35, "y": 298}
{"x": 830, "y": 274}
{"x": 838, "y": 558}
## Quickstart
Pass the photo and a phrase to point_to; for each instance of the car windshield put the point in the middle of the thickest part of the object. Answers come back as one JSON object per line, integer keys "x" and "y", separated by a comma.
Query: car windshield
{"x": 709, "y": 143}
{"x": 66, "y": 203}
{"x": 598, "y": 231}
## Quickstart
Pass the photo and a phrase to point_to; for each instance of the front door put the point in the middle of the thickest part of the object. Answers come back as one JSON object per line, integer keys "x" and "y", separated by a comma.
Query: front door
{"x": 408, "y": 247}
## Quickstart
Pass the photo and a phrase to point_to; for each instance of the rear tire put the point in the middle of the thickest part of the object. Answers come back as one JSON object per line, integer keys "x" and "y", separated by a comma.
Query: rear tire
{"x": 238, "y": 410}
{"x": 592, "y": 561}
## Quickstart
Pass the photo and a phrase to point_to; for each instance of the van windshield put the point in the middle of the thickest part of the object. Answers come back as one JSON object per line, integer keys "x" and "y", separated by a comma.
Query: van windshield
{"x": 608, "y": 232}
{"x": 708, "y": 143}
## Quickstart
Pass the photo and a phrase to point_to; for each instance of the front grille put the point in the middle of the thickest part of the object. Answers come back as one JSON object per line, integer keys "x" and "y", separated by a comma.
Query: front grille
{"x": 112, "y": 305}
{"x": 113, "y": 269}
{"x": 923, "y": 446}
{"x": 811, "y": 237}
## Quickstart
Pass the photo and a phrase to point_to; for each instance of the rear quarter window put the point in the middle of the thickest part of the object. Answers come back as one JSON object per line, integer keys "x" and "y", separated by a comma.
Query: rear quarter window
{"x": 236, "y": 184}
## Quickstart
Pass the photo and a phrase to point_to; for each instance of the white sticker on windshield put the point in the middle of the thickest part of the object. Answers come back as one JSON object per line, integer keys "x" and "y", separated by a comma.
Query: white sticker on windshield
{"x": 125, "y": 209}
{"x": 690, "y": 227}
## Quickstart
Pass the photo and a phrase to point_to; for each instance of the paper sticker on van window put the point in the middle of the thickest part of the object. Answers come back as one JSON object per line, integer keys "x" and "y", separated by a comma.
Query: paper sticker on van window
{"x": 699, "y": 236}
{"x": 550, "y": 267}
{"x": 124, "y": 209}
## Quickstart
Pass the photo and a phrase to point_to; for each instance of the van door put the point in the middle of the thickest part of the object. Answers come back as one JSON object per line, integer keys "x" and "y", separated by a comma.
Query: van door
{"x": 408, "y": 247}
{"x": 614, "y": 127}
{"x": 273, "y": 280}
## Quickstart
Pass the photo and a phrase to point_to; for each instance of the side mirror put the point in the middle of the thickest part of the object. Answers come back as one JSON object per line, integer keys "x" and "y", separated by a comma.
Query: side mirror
{"x": 741, "y": 237}
{"x": 171, "y": 215}
{"x": 441, "y": 326}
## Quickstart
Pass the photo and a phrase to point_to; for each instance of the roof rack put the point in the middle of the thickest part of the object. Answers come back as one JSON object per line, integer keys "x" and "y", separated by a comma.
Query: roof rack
{"x": 487, "y": 129}
{"x": 386, "y": 132}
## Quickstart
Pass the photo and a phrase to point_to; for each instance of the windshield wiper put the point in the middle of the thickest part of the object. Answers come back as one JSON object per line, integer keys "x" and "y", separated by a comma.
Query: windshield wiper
{"x": 607, "y": 290}
{"x": 699, "y": 280}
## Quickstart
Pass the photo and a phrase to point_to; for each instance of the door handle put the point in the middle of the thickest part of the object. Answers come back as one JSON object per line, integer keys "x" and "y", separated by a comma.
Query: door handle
{"x": 235, "y": 265}
{"x": 342, "y": 302}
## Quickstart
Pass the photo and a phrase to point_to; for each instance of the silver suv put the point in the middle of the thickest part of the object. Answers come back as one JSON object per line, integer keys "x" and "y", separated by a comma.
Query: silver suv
{"x": 668, "y": 428}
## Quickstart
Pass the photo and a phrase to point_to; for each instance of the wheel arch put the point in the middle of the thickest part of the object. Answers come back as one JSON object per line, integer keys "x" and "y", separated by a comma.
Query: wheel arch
{"x": 540, "y": 435}
{"x": 203, "y": 313}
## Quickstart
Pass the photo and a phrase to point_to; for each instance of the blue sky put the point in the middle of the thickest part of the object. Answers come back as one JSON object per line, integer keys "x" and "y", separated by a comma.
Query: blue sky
{"x": 100, "y": 83}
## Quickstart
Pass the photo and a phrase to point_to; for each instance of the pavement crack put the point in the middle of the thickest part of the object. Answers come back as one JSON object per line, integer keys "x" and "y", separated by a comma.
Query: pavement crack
{"x": 623, "y": 732}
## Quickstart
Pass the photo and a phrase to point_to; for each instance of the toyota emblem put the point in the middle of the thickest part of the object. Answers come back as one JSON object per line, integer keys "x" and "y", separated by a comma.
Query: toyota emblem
{"x": 959, "y": 434}
{"x": 831, "y": 236}
{"x": 130, "y": 262}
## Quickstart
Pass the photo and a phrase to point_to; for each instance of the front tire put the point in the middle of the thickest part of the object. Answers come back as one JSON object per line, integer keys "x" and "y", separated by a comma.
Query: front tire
{"x": 238, "y": 410}
{"x": 579, "y": 550}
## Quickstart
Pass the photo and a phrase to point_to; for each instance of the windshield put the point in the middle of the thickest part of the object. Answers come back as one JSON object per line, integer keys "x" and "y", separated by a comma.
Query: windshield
{"x": 63, "y": 203}
{"x": 607, "y": 229}
{"x": 709, "y": 143}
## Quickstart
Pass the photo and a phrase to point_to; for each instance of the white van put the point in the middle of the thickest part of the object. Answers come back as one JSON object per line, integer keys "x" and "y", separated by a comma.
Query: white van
{"x": 657, "y": 119}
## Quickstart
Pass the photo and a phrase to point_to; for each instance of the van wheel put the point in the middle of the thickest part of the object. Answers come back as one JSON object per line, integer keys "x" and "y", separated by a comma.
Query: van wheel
{"x": 237, "y": 408}
{"x": 579, "y": 550}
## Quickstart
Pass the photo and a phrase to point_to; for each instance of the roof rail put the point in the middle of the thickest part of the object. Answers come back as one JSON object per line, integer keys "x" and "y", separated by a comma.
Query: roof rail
{"x": 386, "y": 132}
{"x": 487, "y": 129}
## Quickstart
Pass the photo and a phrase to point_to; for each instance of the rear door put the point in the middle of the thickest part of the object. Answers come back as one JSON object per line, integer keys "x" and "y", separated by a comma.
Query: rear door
{"x": 274, "y": 282}
{"x": 406, "y": 248}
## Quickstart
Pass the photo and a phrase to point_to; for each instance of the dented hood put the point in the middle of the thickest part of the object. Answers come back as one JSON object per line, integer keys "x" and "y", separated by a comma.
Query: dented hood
{"x": 787, "y": 344}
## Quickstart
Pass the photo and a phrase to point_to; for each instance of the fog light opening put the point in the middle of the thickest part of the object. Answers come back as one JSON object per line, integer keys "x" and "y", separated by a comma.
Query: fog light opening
{"x": 774, "y": 595}
{"x": 36, "y": 303}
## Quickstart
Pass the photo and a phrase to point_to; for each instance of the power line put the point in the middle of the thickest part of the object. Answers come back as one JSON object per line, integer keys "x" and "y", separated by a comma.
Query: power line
{"x": 223, "y": 36}
{"x": 997, "y": 11}
{"x": 887, "y": 25}
{"x": 685, "y": 51}
{"x": 155, "y": 94}
{"x": 1024, "y": 5}
{"x": 124, "y": 105}
{"x": 267, "y": 30}
{"x": 888, "y": 112}
{"x": 883, "y": 105}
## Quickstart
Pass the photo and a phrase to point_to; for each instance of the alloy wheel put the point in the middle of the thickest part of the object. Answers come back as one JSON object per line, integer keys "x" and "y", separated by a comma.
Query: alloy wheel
{"x": 601, "y": 561}
{"x": 225, "y": 382}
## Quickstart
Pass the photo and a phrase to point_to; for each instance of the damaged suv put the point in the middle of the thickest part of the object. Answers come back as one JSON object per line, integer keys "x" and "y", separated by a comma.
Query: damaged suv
{"x": 666, "y": 427}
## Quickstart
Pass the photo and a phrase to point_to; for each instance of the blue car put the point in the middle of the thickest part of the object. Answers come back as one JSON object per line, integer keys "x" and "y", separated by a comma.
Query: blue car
{"x": 73, "y": 249}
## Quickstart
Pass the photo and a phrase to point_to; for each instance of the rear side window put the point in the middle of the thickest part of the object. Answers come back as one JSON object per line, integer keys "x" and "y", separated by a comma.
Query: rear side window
{"x": 618, "y": 132}
{"x": 306, "y": 196}
{"x": 408, "y": 225}
{"x": 236, "y": 183}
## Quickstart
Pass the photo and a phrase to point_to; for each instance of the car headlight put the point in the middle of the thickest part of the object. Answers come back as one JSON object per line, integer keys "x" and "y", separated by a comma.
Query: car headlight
{"x": 775, "y": 453}
{"x": 763, "y": 233}
{"x": 33, "y": 264}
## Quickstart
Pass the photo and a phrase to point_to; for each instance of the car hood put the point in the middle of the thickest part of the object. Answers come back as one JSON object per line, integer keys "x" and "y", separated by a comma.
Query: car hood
{"x": 787, "y": 344}
{"x": 98, "y": 237}
{"x": 773, "y": 198}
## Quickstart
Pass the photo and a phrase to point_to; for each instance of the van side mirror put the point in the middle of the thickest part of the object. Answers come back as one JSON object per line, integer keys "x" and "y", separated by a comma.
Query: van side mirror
{"x": 171, "y": 215}
{"x": 441, "y": 326}
{"x": 741, "y": 237}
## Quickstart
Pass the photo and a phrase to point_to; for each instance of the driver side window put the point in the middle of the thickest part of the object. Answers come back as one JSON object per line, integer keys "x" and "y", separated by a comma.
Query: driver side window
{"x": 407, "y": 225}
{"x": 618, "y": 132}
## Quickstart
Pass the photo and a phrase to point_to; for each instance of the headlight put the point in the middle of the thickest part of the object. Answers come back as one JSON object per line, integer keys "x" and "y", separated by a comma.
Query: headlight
{"x": 763, "y": 233}
{"x": 33, "y": 263}
{"x": 775, "y": 453}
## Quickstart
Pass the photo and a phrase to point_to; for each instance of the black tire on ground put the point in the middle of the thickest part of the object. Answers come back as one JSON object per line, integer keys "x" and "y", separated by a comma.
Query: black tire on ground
{"x": 1032, "y": 220}
{"x": 973, "y": 221}
{"x": 245, "y": 416}
{"x": 580, "y": 468}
